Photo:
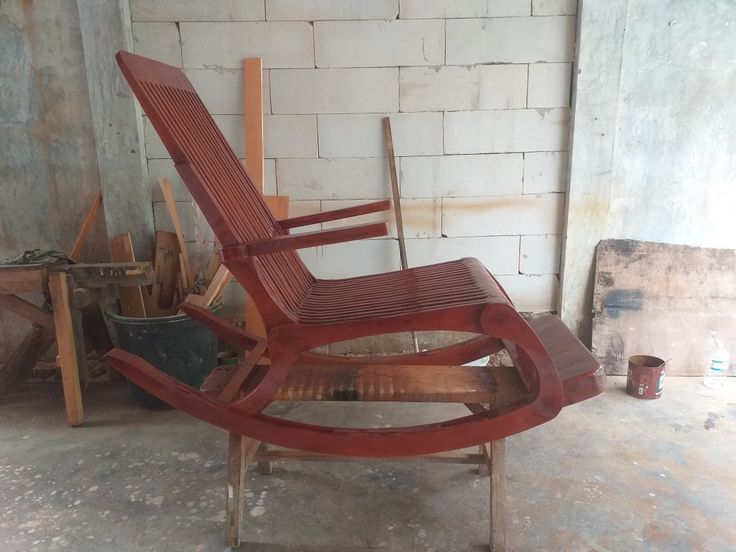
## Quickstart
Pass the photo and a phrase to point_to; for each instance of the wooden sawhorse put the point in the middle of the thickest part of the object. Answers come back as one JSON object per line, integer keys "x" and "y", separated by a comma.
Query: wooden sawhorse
{"x": 476, "y": 387}
{"x": 59, "y": 326}
{"x": 69, "y": 288}
{"x": 243, "y": 452}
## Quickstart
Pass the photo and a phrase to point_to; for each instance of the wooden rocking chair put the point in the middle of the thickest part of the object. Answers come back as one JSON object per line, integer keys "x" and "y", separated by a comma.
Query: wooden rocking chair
{"x": 302, "y": 312}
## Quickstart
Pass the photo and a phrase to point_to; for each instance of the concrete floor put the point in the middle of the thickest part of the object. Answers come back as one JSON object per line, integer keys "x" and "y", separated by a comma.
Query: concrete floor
{"x": 612, "y": 474}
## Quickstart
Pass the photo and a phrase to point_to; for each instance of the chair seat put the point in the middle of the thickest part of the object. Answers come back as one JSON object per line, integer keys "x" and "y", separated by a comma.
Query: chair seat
{"x": 422, "y": 289}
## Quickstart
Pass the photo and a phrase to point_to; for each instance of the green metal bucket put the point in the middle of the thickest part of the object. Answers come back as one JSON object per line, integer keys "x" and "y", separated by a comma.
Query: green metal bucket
{"x": 177, "y": 345}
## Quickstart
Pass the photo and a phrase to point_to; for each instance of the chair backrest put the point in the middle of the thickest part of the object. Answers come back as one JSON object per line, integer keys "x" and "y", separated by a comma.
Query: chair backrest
{"x": 216, "y": 179}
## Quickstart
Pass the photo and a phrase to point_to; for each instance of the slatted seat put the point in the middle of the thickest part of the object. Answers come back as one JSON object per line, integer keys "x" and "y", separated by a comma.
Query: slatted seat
{"x": 425, "y": 288}
{"x": 301, "y": 312}
{"x": 390, "y": 383}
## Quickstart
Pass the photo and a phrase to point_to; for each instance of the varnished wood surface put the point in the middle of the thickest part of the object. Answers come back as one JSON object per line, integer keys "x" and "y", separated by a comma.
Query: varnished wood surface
{"x": 581, "y": 374}
{"x": 397, "y": 383}
{"x": 301, "y": 312}
{"x": 230, "y": 387}
{"x": 236, "y": 337}
{"x": 290, "y": 242}
{"x": 336, "y": 214}
{"x": 279, "y": 207}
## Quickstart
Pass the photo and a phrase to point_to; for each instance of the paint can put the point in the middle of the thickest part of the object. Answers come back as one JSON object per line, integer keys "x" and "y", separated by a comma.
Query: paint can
{"x": 645, "y": 377}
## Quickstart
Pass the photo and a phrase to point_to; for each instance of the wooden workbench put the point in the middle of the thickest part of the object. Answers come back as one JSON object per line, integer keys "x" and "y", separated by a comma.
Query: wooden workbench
{"x": 67, "y": 285}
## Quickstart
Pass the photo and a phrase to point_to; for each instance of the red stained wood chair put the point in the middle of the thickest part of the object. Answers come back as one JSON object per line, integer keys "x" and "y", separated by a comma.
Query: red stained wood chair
{"x": 302, "y": 312}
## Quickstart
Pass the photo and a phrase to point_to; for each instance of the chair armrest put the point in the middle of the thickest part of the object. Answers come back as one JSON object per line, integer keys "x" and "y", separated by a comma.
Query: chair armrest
{"x": 336, "y": 214}
{"x": 307, "y": 239}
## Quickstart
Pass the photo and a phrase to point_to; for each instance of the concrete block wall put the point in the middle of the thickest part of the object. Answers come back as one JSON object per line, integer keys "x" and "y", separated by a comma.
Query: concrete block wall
{"x": 478, "y": 94}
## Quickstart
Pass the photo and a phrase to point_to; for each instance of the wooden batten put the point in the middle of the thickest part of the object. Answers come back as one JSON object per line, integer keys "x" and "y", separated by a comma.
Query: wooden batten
{"x": 86, "y": 226}
{"x": 187, "y": 276}
{"x": 59, "y": 289}
{"x": 131, "y": 298}
{"x": 166, "y": 267}
{"x": 254, "y": 152}
{"x": 253, "y": 123}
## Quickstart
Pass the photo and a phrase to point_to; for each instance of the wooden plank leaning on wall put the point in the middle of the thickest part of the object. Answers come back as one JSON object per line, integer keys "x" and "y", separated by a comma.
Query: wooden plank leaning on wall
{"x": 241, "y": 449}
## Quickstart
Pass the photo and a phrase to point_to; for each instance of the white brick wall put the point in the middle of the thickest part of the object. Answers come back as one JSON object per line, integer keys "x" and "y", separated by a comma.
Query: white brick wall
{"x": 362, "y": 135}
{"x": 423, "y": 9}
{"x": 289, "y": 135}
{"x": 510, "y": 40}
{"x": 501, "y": 131}
{"x": 539, "y": 254}
{"x": 500, "y": 254}
{"x": 221, "y": 90}
{"x": 554, "y": 7}
{"x": 159, "y": 40}
{"x": 316, "y": 10}
{"x": 333, "y": 178}
{"x": 379, "y": 43}
{"x": 545, "y": 171}
{"x": 478, "y": 93}
{"x": 462, "y": 175}
{"x": 225, "y": 44}
{"x": 502, "y": 216}
{"x": 197, "y": 10}
{"x": 373, "y": 90}
{"x": 422, "y": 217}
{"x": 455, "y": 88}
{"x": 344, "y": 260}
{"x": 549, "y": 85}
{"x": 531, "y": 293}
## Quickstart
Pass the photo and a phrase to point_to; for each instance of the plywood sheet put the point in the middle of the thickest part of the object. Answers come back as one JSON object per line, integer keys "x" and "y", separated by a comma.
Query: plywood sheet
{"x": 662, "y": 300}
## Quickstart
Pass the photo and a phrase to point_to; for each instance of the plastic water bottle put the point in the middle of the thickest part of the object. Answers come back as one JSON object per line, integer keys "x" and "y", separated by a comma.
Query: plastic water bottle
{"x": 718, "y": 368}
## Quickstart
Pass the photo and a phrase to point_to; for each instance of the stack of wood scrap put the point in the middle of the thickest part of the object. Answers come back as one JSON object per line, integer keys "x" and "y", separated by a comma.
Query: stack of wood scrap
{"x": 175, "y": 282}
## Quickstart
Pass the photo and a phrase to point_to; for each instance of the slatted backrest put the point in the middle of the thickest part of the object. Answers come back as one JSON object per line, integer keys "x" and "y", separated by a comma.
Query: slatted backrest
{"x": 215, "y": 176}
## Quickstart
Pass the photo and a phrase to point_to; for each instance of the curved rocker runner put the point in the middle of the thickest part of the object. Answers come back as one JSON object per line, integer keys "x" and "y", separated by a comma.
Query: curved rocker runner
{"x": 302, "y": 312}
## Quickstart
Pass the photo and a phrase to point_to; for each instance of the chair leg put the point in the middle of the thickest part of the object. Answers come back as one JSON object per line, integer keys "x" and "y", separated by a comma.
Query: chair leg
{"x": 485, "y": 450}
{"x": 265, "y": 467}
{"x": 240, "y": 452}
{"x": 497, "y": 470}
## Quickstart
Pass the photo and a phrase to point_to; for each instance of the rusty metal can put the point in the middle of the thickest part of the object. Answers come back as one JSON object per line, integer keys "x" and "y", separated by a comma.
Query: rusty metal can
{"x": 645, "y": 377}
